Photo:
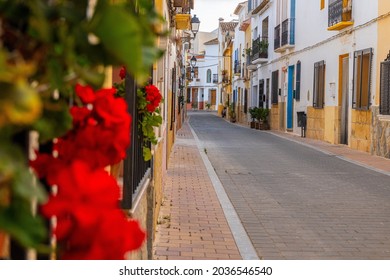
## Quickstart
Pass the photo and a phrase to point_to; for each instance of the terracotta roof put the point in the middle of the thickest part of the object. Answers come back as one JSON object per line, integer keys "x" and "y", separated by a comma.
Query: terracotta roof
{"x": 228, "y": 26}
{"x": 212, "y": 42}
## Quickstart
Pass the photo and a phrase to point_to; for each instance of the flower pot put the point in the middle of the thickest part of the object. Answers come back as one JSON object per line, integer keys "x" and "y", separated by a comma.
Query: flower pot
{"x": 253, "y": 124}
{"x": 264, "y": 126}
{"x": 257, "y": 126}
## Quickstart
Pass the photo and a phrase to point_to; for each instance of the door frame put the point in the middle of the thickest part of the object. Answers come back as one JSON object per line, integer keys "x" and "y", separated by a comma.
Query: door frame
{"x": 344, "y": 99}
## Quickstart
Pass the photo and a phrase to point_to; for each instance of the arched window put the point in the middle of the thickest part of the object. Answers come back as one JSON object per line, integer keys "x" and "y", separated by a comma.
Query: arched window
{"x": 208, "y": 76}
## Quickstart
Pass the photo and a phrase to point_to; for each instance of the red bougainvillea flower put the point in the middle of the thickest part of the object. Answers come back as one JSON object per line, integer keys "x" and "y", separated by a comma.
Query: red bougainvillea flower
{"x": 85, "y": 93}
{"x": 82, "y": 194}
{"x": 100, "y": 136}
{"x": 153, "y": 96}
{"x": 113, "y": 238}
{"x": 122, "y": 73}
{"x": 90, "y": 224}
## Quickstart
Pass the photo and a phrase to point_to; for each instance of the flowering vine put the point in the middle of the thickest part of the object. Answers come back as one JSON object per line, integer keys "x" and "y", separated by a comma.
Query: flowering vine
{"x": 86, "y": 204}
{"x": 149, "y": 99}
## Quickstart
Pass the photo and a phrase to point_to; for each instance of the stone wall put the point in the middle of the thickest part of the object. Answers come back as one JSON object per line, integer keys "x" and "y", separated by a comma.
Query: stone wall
{"x": 148, "y": 208}
{"x": 274, "y": 117}
{"x": 315, "y": 123}
{"x": 332, "y": 124}
{"x": 380, "y": 134}
{"x": 360, "y": 130}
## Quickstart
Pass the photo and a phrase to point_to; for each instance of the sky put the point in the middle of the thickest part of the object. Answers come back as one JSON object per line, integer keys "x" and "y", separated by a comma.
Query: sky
{"x": 209, "y": 11}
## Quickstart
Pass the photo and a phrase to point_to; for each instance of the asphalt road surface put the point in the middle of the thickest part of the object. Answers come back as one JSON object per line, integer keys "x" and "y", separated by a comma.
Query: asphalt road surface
{"x": 296, "y": 202}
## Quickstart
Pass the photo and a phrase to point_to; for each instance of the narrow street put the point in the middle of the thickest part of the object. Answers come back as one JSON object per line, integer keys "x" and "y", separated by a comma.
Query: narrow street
{"x": 296, "y": 202}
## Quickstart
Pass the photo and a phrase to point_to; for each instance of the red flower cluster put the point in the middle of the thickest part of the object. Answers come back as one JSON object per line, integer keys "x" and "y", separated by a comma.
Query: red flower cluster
{"x": 101, "y": 135}
{"x": 122, "y": 73}
{"x": 153, "y": 96}
{"x": 86, "y": 206}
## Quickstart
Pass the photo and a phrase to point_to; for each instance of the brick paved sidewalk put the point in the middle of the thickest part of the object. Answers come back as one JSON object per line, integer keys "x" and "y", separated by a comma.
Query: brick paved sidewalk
{"x": 192, "y": 225}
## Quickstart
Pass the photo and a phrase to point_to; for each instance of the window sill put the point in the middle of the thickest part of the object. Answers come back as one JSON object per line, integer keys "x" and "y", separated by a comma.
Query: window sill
{"x": 384, "y": 118}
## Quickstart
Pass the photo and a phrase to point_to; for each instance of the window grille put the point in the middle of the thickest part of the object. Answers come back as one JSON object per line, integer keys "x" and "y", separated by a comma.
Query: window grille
{"x": 385, "y": 87}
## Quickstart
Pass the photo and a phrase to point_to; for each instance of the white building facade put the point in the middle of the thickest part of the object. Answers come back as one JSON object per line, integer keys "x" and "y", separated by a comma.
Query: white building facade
{"x": 319, "y": 65}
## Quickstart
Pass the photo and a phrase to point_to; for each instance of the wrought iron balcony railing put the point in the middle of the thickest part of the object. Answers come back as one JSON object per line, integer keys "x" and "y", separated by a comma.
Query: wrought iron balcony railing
{"x": 259, "y": 48}
{"x": 237, "y": 67}
{"x": 284, "y": 36}
{"x": 288, "y": 32}
{"x": 340, "y": 14}
{"x": 277, "y": 37}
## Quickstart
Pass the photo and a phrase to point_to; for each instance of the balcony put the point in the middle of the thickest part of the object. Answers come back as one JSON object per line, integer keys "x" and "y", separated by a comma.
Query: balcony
{"x": 249, "y": 65}
{"x": 286, "y": 38}
{"x": 340, "y": 14}
{"x": 237, "y": 68}
{"x": 259, "y": 50}
{"x": 225, "y": 77}
{"x": 260, "y": 7}
{"x": 183, "y": 21}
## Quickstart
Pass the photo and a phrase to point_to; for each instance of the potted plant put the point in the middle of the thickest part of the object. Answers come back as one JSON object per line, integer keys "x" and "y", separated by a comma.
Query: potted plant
{"x": 264, "y": 125}
{"x": 208, "y": 105}
{"x": 263, "y": 47}
{"x": 232, "y": 113}
{"x": 258, "y": 117}
{"x": 194, "y": 105}
{"x": 252, "y": 113}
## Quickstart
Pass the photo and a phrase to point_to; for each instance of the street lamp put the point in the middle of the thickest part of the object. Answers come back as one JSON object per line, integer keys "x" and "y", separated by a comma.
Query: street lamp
{"x": 193, "y": 61}
{"x": 195, "y": 22}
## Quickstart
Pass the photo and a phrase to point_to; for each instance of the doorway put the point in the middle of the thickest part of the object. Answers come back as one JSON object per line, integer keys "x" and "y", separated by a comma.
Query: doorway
{"x": 261, "y": 93}
{"x": 290, "y": 97}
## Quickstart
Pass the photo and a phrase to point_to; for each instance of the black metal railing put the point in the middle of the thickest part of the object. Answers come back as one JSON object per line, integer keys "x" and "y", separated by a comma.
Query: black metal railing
{"x": 337, "y": 12}
{"x": 259, "y": 48}
{"x": 288, "y": 32}
{"x": 277, "y": 37}
{"x": 237, "y": 67}
{"x": 135, "y": 169}
{"x": 215, "y": 78}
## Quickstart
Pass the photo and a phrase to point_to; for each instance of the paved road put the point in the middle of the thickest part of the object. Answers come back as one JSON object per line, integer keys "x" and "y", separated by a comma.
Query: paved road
{"x": 296, "y": 202}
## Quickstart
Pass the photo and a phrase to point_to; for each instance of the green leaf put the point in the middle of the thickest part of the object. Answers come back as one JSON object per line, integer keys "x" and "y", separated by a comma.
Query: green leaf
{"x": 121, "y": 35}
{"x": 55, "y": 121}
{"x": 18, "y": 221}
{"x": 147, "y": 154}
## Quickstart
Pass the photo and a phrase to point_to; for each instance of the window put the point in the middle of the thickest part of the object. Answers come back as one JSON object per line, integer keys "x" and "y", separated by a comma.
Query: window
{"x": 208, "y": 76}
{"x": 385, "y": 87}
{"x": 319, "y": 85}
{"x": 298, "y": 82}
{"x": 362, "y": 79}
{"x": 275, "y": 87}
